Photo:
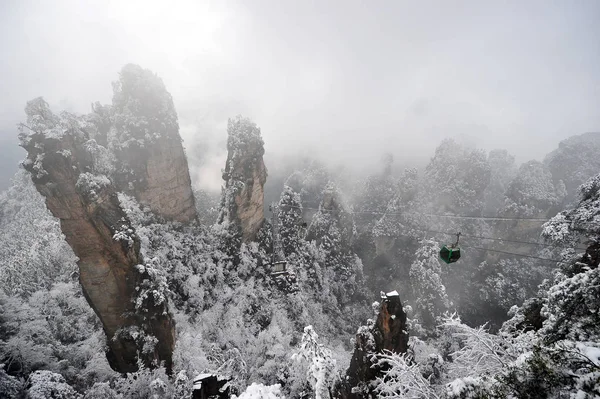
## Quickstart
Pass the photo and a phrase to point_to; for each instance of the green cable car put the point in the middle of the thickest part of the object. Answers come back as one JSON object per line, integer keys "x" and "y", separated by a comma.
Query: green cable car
{"x": 451, "y": 253}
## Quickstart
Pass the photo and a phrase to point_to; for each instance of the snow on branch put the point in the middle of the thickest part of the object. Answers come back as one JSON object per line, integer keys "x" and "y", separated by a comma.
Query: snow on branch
{"x": 402, "y": 378}
{"x": 480, "y": 352}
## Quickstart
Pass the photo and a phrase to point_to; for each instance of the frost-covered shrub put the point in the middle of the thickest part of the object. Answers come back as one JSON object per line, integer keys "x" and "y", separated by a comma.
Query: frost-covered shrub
{"x": 468, "y": 388}
{"x": 489, "y": 352}
{"x": 401, "y": 378}
{"x": 40, "y": 119}
{"x": 145, "y": 384}
{"x": 10, "y": 387}
{"x": 260, "y": 391}
{"x": 582, "y": 221}
{"x": 91, "y": 185}
{"x": 243, "y": 137}
{"x": 153, "y": 290}
{"x": 207, "y": 206}
{"x": 44, "y": 384}
{"x": 55, "y": 330}
{"x": 103, "y": 160}
{"x": 182, "y": 386}
{"x": 102, "y": 390}
{"x": 59, "y": 306}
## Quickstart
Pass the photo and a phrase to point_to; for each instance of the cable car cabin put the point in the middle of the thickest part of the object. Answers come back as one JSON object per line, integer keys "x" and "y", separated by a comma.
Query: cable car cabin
{"x": 450, "y": 253}
{"x": 279, "y": 267}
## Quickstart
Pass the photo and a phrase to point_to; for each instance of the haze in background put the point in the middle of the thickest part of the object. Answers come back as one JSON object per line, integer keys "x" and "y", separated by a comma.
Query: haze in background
{"x": 344, "y": 80}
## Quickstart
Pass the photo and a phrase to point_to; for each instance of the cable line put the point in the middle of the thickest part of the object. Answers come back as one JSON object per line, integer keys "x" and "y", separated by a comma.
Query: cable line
{"x": 498, "y": 251}
{"x": 464, "y": 235}
{"x": 467, "y": 235}
{"x": 515, "y": 254}
{"x": 385, "y": 213}
{"x": 496, "y": 239}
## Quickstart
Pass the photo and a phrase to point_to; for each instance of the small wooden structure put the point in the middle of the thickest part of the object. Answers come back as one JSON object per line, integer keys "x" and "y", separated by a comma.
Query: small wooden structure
{"x": 279, "y": 267}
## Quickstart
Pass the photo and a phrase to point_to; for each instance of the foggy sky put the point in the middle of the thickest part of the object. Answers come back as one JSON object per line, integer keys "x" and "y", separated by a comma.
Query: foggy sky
{"x": 348, "y": 80}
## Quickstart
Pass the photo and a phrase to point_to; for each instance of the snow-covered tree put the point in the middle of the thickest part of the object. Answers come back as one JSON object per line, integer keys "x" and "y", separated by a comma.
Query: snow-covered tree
{"x": 532, "y": 191}
{"x": 574, "y": 162}
{"x": 478, "y": 352}
{"x": 45, "y": 384}
{"x": 207, "y": 206}
{"x": 309, "y": 181}
{"x": 401, "y": 378}
{"x": 576, "y": 288}
{"x": 393, "y": 221}
{"x": 142, "y": 109}
{"x": 260, "y": 391}
{"x": 332, "y": 229}
{"x": 11, "y": 387}
{"x": 496, "y": 285}
{"x": 583, "y": 222}
{"x": 428, "y": 292}
{"x": 54, "y": 330}
{"x": 33, "y": 254}
{"x": 321, "y": 366}
{"x": 550, "y": 347}
{"x": 102, "y": 390}
{"x": 291, "y": 225}
{"x": 456, "y": 178}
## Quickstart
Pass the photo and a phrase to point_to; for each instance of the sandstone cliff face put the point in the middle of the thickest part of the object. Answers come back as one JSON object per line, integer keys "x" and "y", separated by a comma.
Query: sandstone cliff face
{"x": 167, "y": 187}
{"x": 245, "y": 176}
{"x": 390, "y": 327}
{"x": 79, "y": 164}
{"x": 151, "y": 162}
{"x": 72, "y": 172}
{"x": 388, "y": 332}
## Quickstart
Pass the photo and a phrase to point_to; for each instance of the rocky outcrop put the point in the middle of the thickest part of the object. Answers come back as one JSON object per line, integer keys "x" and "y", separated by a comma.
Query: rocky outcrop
{"x": 73, "y": 173}
{"x": 245, "y": 174}
{"x": 390, "y": 327}
{"x": 163, "y": 180}
{"x": 387, "y": 333}
{"x": 151, "y": 162}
